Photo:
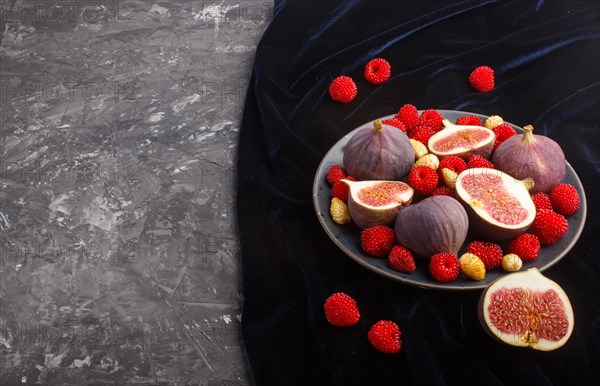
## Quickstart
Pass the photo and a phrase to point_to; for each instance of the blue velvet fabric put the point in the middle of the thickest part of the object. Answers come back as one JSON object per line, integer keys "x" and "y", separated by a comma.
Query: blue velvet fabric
{"x": 546, "y": 56}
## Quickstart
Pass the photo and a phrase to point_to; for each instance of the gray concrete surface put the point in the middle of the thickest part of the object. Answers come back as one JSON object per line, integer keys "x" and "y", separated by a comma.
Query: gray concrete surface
{"x": 119, "y": 122}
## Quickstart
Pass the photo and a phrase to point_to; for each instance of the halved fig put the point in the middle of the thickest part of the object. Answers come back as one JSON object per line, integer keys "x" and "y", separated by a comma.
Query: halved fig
{"x": 499, "y": 206}
{"x": 462, "y": 141}
{"x": 527, "y": 309}
{"x": 377, "y": 202}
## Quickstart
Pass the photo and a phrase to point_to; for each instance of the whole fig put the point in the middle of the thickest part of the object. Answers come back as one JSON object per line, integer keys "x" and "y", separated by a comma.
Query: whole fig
{"x": 435, "y": 224}
{"x": 535, "y": 156}
{"x": 378, "y": 152}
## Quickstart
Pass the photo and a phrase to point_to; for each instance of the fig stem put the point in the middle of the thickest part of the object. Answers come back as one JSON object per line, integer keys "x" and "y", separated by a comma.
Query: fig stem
{"x": 378, "y": 125}
{"x": 528, "y": 134}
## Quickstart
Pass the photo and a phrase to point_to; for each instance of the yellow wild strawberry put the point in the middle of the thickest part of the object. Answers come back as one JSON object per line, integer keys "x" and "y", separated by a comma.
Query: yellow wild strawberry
{"x": 472, "y": 266}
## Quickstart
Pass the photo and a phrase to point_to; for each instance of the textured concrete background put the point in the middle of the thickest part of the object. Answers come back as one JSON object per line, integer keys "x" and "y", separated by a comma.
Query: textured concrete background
{"x": 119, "y": 121}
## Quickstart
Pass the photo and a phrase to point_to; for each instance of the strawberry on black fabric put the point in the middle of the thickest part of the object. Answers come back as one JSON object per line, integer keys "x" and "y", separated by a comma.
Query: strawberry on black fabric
{"x": 482, "y": 79}
{"x": 341, "y": 310}
{"x": 343, "y": 89}
{"x": 378, "y": 71}
{"x": 385, "y": 336}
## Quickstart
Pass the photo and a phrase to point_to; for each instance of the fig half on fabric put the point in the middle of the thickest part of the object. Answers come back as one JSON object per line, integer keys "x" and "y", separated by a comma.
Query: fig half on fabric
{"x": 527, "y": 309}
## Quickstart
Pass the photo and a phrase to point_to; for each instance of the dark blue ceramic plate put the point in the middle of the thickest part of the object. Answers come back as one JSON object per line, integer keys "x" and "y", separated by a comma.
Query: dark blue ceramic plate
{"x": 347, "y": 237}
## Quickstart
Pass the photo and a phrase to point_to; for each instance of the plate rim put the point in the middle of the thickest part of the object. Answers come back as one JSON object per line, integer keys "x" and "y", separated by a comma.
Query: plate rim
{"x": 401, "y": 277}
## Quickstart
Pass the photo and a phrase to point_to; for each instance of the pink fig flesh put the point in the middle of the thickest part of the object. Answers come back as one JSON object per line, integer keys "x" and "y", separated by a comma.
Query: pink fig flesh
{"x": 377, "y": 202}
{"x": 499, "y": 207}
{"x": 462, "y": 141}
{"x": 527, "y": 309}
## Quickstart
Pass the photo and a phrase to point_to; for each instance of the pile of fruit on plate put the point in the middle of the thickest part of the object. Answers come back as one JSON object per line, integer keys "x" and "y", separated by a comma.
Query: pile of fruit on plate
{"x": 416, "y": 184}
{"x": 460, "y": 200}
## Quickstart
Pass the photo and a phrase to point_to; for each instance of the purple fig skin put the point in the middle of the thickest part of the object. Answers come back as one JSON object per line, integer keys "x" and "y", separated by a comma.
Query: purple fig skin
{"x": 378, "y": 152}
{"x": 433, "y": 225}
{"x": 535, "y": 156}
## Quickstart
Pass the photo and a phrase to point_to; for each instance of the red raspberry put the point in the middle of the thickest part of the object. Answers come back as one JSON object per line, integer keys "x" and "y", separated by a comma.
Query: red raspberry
{"x": 490, "y": 253}
{"x": 341, "y": 190}
{"x": 423, "y": 179}
{"x": 409, "y": 115}
{"x": 396, "y": 123}
{"x": 541, "y": 201}
{"x": 477, "y": 161}
{"x": 341, "y": 310}
{"x": 378, "y": 71}
{"x": 452, "y": 162}
{"x": 444, "y": 267}
{"x": 343, "y": 89}
{"x": 565, "y": 199}
{"x": 377, "y": 241}
{"x": 421, "y": 133}
{"x": 443, "y": 191}
{"x": 503, "y": 132}
{"x": 526, "y": 246}
{"x": 385, "y": 336}
{"x": 335, "y": 173}
{"x": 482, "y": 79}
{"x": 469, "y": 120}
{"x": 431, "y": 118}
{"x": 549, "y": 226}
{"x": 400, "y": 259}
